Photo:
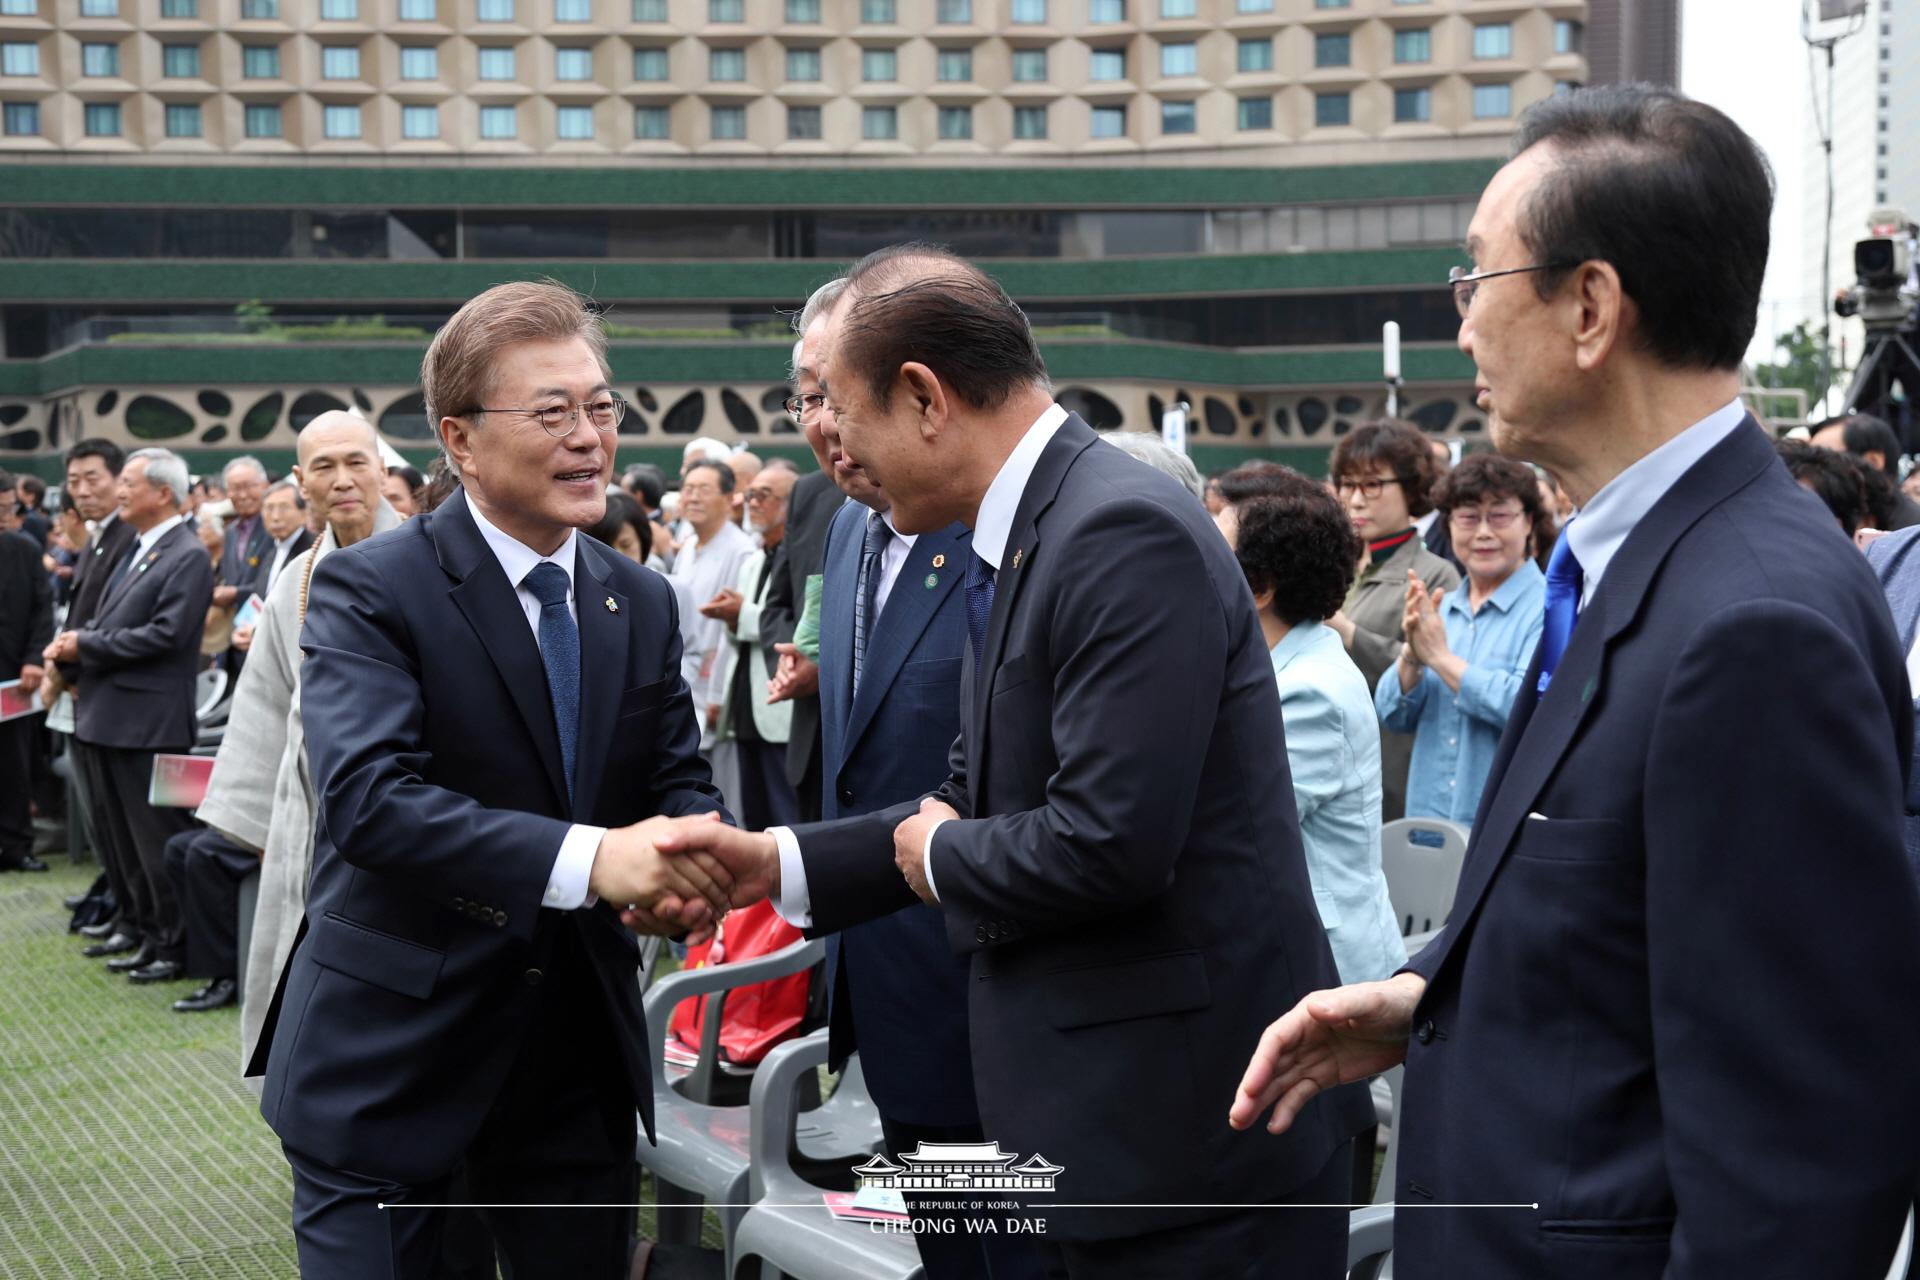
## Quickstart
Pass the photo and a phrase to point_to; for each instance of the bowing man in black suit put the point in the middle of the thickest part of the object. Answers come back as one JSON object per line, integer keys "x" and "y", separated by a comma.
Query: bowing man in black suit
{"x": 1128, "y": 896}
{"x": 497, "y": 725}
{"x": 139, "y": 655}
{"x": 1671, "y": 1020}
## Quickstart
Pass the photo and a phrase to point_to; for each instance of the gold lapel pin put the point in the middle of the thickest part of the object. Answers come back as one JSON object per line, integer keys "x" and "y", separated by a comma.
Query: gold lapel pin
{"x": 1017, "y": 552}
{"x": 611, "y": 606}
{"x": 940, "y": 561}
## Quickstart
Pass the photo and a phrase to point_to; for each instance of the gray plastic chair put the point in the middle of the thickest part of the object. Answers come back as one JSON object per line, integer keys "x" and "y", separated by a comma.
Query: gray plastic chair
{"x": 1421, "y": 858}
{"x": 1369, "y": 1241}
{"x": 788, "y": 1233}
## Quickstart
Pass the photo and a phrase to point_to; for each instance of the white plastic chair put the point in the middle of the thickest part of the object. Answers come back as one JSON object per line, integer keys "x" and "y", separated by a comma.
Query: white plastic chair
{"x": 1421, "y": 858}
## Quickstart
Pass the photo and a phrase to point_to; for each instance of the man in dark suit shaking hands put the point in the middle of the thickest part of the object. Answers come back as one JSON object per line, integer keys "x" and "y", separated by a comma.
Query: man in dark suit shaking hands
{"x": 1126, "y": 892}
{"x": 1680, "y": 975}
{"x": 497, "y": 728}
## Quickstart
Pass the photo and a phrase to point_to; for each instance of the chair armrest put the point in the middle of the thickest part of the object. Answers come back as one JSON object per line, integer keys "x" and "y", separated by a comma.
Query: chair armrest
{"x": 1369, "y": 1240}
{"x": 771, "y": 1111}
{"x": 666, "y": 994}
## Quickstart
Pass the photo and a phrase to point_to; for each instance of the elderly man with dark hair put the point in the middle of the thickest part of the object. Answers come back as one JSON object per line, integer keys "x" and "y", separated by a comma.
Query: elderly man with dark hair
{"x": 1673, "y": 967}
{"x": 1875, "y": 445}
{"x": 26, "y": 625}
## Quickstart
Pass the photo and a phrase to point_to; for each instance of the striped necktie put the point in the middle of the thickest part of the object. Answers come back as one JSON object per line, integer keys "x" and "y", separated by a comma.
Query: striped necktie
{"x": 873, "y": 549}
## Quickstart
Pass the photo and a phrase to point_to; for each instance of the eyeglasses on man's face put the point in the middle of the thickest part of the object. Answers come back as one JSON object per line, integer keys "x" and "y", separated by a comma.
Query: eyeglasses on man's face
{"x": 1368, "y": 487}
{"x": 803, "y": 408}
{"x": 603, "y": 414}
{"x": 1467, "y": 283}
{"x": 763, "y": 495}
{"x": 1499, "y": 519}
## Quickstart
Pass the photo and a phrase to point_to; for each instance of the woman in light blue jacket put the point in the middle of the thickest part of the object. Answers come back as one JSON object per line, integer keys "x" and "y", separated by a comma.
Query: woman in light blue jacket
{"x": 1299, "y": 553}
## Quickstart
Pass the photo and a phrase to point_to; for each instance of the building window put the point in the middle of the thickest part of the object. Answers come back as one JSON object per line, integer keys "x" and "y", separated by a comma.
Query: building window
{"x": 1108, "y": 64}
{"x": 573, "y": 64}
{"x": 260, "y": 62}
{"x": 953, "y": 11}
{"x": 729, "y": 124}
{"x": 649, "y": 64}
{"x": 419, "y": 123}
{"x": 1333, "y": 50}
{"x": 878, "y": 11}
{"x": 496, "y": 64}
{"x": 493, "y": 10}
{"x": 651, "y": 124}
{"x": 1413, "y": 46}
{"x": 340, "y": 122}
{"x": 1176, "y": 117}
{"x": 1030, "y": 65}
{"x": 1492, "y": 101}
{"x": 1106, "y": 10}
{"x": 726, "y": 64}
{"x": 103, "y": 120}
{"x": 1256, "y": 113}
{"x": 879, "y": 124}
{"x": 726, "y": 11}
{"x": 1493, "y": 40}
{"x": 20, "y": 119}
{"x": 803, "y": 124}
{"x": 1029, "y": 123}
{"x": 100, "y": 59}
{"x": 260, "y": 10}
{"x": 419, "y": 63}
{"x": 499, "y": 123}
{"x": 1568, "y": 35}
{"x": 573, "y": 10}
{"x": 1331, "y": 4}
{"x": 956, "y": 124}
{"x": 1255, "y": 55}
{"x": 179, "y": 8}
{"x": 1253, "y": 6}
{"x": 803, "y": 65}
{"x": 1109, "y": 122}
{"x": 573, "y": 124}
{"x": 1563, "y": 87}
{"x": 1331, "y": 109}
{"x": 1177, "y": 8}
{"x": 263, "y": 121}
{"x": 100, "y": 9}
{"x": 954, "y": 65}
{"x": 1412, "y": 106}
{"x": 183, "y": 120}
{"x": 419, "y": 11}
{"x": 180, "y": 61}
{"x": 1179, "y": 59}
{"x": 339, "y": 10}
{"x": 649, "y": 10}
{"x": 879, "y": 64}
{"x": 803, "y": 11}
{"x": 22, "y": 9}
{"x": 1028, "y": 11}
{"x": 19, "y": 59}
{"x": 338, "y": 63}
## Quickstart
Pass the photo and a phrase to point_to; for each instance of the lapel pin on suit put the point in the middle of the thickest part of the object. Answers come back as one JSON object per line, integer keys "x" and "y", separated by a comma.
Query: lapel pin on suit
{"x": 940, "y": 561}
{"x": 611, "y": 606}
{"x": 933, "y": 580}
{"x": 1017, "y": 553}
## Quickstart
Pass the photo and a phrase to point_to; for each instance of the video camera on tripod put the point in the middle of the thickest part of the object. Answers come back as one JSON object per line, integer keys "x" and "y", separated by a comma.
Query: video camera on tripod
{"x": 1886, "y": 297}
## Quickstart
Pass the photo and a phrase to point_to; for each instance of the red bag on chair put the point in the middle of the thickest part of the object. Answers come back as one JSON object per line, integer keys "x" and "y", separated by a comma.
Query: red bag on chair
{"x": 753, "y": 1019}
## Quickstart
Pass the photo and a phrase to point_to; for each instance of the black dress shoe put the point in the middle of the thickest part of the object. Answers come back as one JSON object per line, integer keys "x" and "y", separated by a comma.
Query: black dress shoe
{"x": 217, "y": 994}
{"x": 21, "y": 862}
{"x": 113, "y": 945}
{"x": 159, "y": 971}
{"x": 73, "y": 900}
{"x": 102, "y": 930}
{"x": 139, "y": 958}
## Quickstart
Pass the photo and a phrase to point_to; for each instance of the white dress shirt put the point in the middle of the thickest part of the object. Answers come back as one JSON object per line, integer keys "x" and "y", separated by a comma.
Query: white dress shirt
{"x": 893, "y": 558}
{"x": 1598, "y": 530}
{"x": 281, "y": 552}
{"x": 992, "y": 526}
{"x": 567, "y": 884}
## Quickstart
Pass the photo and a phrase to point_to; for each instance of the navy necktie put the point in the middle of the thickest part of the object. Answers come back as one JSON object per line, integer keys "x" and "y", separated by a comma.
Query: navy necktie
{"x": 123, "y": 571}
{"x": 979, "y": 605}
{"x": 560, "y": 652}
{"x": 1564, "y": 577}
{"x": 873, "y": 549}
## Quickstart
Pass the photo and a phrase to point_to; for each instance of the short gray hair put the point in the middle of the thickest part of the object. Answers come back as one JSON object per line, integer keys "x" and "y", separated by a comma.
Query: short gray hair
{"x": 245, "y": 460}
{"x": 1159, "y": 455}
{"x": 166, "y": 470}
{"x": 819, "y": 300}
{"x": 299, "y": 499}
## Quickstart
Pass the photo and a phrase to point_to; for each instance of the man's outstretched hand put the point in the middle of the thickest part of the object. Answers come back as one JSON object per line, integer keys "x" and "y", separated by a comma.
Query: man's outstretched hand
{"x": 1329, "y": 1038}
{"x": 749, "y": 860}
{"x": 658, "y": 893}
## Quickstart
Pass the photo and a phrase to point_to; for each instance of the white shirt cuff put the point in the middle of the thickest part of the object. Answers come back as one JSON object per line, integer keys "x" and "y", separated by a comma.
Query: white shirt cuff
{"x": 926, "y": 859}
{"x": 572, "y": 869}
{"x": 793, "y": 903}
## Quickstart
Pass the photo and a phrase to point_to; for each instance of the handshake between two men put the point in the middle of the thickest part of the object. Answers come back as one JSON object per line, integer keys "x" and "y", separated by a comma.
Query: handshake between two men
{"x": 680, "y": 875}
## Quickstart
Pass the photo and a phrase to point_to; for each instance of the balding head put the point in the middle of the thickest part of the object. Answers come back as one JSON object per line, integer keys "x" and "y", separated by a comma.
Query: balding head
{"x": 330, "y": 428}
{"x": 340, "y": 473}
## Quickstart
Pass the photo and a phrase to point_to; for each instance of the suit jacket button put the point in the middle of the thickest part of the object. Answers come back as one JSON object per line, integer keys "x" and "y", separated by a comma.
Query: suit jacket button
{"x": 499, "y": 919}
{"x": 980, "y": 933}
{"x": 1425, "y": 1034}
{"x": 460, "y": 904}
{"x": 533, "y": 977}
{"x": 846, "y": 795}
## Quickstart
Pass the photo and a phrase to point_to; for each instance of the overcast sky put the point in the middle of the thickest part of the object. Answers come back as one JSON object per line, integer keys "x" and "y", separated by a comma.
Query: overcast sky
{"x": 1759, "y": 77}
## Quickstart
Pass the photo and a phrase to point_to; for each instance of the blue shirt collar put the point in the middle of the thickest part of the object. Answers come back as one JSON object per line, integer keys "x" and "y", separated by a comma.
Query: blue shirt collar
{"x": 1521, "y": 583}
{"x": 1302, "y": 639}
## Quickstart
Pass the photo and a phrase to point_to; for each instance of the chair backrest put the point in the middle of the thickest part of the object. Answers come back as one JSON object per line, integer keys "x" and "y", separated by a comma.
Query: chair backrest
{"x": 1421, "y": 858}
{"x": 1390, "y": 1163}
{"x": 209, "y": 688}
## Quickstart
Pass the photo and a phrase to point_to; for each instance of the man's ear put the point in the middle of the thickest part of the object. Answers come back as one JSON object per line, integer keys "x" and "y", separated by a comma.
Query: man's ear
{"x": 457, "y": 435}
{"x": 926, "y": 395}
{"x": 1602, "y": 307}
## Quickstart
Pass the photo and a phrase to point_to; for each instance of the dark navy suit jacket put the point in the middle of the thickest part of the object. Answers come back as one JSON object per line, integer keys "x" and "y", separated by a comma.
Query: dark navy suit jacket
{"x": 140, "y": 651}
{"x": 1676, "y": 1001}
{"x": 899, "y": 992}
{"x": 441, "y": 809}
{"x": 1127, "y": 880}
